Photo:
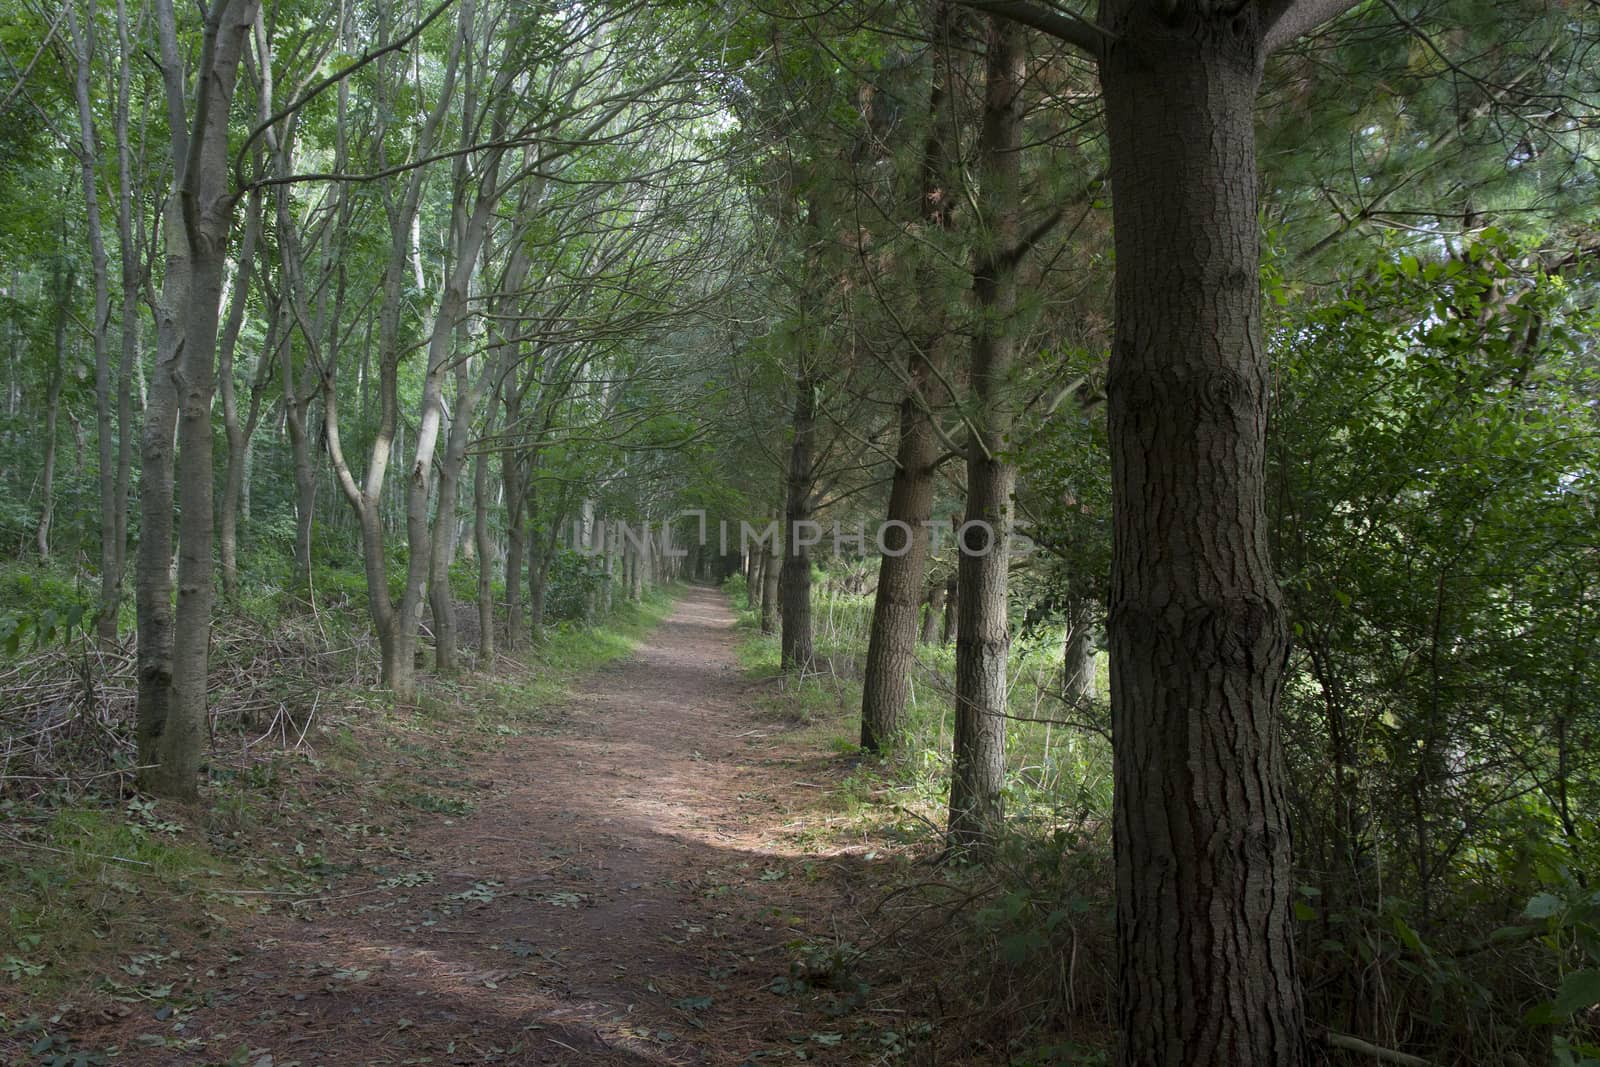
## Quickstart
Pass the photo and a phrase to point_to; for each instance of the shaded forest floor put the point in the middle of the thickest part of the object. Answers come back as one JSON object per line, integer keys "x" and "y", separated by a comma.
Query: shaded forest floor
{"x": 637, "y": 871}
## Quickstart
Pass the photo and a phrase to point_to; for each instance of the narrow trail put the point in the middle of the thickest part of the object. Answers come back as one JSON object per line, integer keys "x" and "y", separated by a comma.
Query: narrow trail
{"x": 627, "y": 895}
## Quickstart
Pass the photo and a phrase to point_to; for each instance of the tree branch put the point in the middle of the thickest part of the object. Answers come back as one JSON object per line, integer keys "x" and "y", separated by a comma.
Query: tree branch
{"x": 1074, "y": 29}
{"x": 1285, "y": 21}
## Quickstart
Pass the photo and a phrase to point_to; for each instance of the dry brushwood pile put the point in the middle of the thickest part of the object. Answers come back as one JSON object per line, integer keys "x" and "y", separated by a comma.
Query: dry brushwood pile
{"x": 67, "y": 721}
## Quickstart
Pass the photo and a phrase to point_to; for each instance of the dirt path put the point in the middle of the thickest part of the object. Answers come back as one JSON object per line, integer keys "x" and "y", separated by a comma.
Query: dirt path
{"x": 630, "y": 894}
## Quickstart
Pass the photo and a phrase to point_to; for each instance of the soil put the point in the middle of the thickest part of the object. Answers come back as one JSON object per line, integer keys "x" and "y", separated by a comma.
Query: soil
{"x": 639, "y": 886}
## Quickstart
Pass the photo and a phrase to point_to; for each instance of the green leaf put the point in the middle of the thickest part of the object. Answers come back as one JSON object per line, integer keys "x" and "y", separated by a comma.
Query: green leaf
{"x": 1542, "y": 906}
{"x": 1579, "y": 990}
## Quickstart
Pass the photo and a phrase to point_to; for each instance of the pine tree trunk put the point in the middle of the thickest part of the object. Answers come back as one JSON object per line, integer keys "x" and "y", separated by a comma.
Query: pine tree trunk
{"x": 1197, "y": 633}
{"x": 769, "y": 589}
{"x": 983, "y": 557}
{"x": 795, "y": 578}
{"x": 892, "y": 641}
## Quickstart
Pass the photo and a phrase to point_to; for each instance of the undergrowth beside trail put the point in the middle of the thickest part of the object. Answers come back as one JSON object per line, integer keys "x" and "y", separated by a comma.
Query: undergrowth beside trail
{"x": 1012, "y": 960}
{"x": 313, "y": 778}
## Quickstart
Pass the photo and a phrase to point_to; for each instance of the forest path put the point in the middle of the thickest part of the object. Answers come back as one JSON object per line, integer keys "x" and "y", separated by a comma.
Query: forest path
{"x": 628, "y": 895}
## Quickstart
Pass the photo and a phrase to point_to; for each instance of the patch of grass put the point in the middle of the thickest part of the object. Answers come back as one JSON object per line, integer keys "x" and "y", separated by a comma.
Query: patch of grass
{"x": 74, "y": 893}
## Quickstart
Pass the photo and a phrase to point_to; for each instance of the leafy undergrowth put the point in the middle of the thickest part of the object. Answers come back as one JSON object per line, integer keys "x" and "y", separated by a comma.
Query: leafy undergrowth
{"x": 108, "y": 894}
{"x": 1011, "y": 961}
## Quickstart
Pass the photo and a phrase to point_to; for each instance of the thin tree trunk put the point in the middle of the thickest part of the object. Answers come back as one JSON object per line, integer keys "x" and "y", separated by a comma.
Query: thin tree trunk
{"x": 1198, "y": 638}
{"x": 128, "y": 365}
{"x": 754, "y": 579}
{"x": 770, "y": 575}
{"x": 933, "y": 617}
{"x": 511, "y": 474}
{"x": 236, "y": 431}
{"x": 443, "y": 547}
{"x": 52, "y": 413}
{"x": 1077, "y": 669}
{"x": 83, "y": 41}
{"x": 612, "y": 550}
{"x": 952, "y": 605}
{"x": 796, "y": 651}
{"x": 485, "y": 542}
{"x": 983, "y": 553}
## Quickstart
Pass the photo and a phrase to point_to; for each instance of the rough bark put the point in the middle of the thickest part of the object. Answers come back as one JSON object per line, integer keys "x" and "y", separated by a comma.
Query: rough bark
{"x": 769, "y": 589}
{"x": 1197, "y": 634}
{"x": 892, "y": 640}
{"x": 983, "y": 557}
{"x": 799, "y": 507}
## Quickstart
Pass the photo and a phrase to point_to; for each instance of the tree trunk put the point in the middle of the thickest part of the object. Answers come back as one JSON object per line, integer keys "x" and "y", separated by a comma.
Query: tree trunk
{"x": 295, "y": 404}
{"x": 892, "y": 641}
{"x": 769, "y": 589}
{"x": 1078, "y": 683}
{"x": 600, "y": 547}
{"x": 613, "y": 559}
{"x": 935, "y": 611}
{"x": 198, "y": 222}
{"x": 1197, "y": 633}
{"x": 236, "y": 431}
{"x": 983, "y": 552}
{"x": 111, "y": 579}
{"x": 952, "y": 604}
{"x": 795, "y": 579}
{"x": 516, "y": 537}
{"x": 538, "y": 551}
{"x": 442, "y": 547}
{"x": 83, "y": 42}
{"x": 485, "y": 543}
{"x": 52, "y": 413}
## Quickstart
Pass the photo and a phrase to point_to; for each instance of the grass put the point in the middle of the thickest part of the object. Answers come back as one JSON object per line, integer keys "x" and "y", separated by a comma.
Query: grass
{"x": 989, "y": 941}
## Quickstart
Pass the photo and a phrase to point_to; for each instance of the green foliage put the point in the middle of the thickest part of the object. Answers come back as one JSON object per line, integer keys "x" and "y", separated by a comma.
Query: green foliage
{"x": 1433, "y": 471}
